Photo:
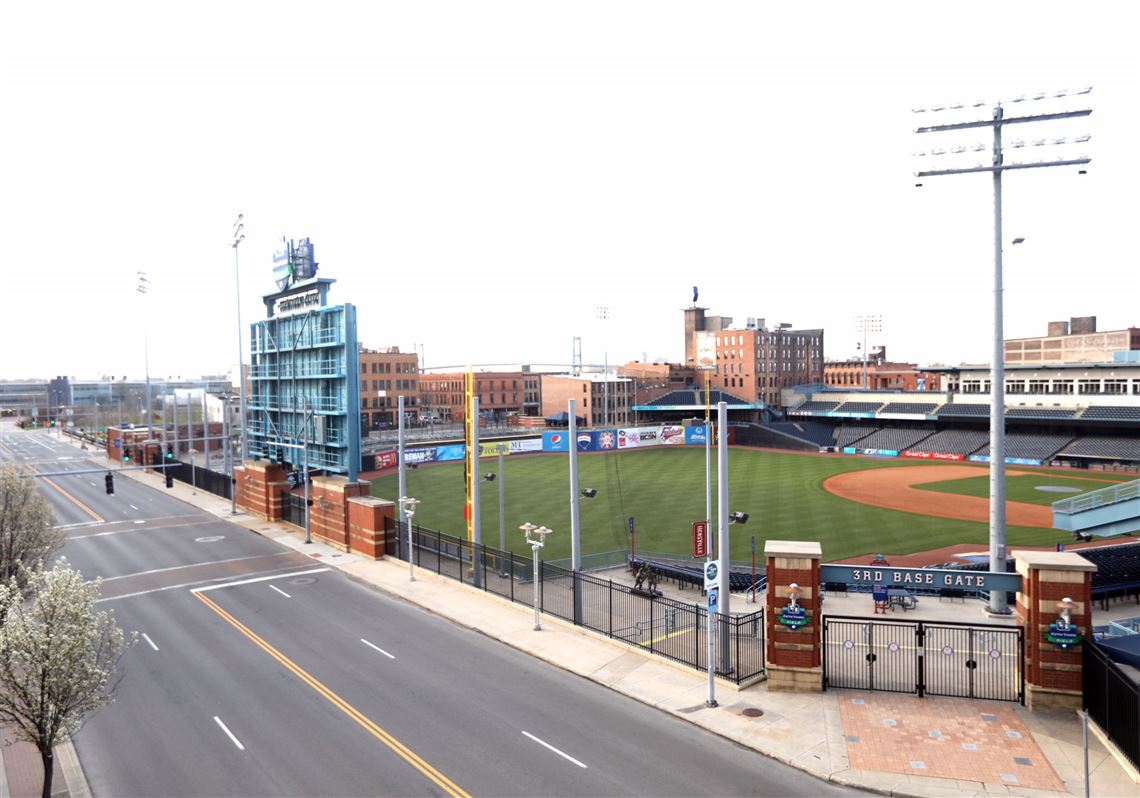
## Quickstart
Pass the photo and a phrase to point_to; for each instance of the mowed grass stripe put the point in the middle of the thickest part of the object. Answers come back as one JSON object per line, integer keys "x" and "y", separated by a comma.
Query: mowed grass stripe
{"x": 664, "y": 489}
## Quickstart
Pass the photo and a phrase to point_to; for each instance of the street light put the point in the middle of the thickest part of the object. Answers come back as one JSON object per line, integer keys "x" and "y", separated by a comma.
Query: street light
{"x": 536, "y": 537}
{"x": 144, "y": 288}
{"x": 239, "y": 236}
{"x": 409, "y": 505}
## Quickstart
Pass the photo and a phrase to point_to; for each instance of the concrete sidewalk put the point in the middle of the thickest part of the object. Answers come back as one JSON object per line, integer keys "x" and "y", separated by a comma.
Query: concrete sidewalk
{"x": 885, "y": 743}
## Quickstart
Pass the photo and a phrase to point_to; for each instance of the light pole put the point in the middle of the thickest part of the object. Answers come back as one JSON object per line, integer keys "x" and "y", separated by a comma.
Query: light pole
{"x": 536, "y": 537}
{"x": 409, "y": 506}
{"x": 603, "y": 313}
{"x": 143, "y": 288}
{"x": 239, "y": 236}
{"x": 998, "y": 605}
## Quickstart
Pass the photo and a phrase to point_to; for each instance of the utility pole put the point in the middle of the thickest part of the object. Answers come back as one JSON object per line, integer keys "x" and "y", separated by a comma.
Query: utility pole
{"x": 997, "y": 166}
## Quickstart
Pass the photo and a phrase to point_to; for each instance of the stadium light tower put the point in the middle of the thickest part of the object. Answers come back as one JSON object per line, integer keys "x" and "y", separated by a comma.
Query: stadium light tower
{"x": 866, "y": 324}
{"x": 958, "y": 162}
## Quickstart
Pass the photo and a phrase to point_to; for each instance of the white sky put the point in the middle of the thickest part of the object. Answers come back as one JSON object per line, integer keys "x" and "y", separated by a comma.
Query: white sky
{"x": 479, "y": 177}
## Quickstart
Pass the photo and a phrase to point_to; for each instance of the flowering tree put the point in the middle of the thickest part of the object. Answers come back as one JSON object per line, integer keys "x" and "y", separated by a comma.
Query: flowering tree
{"x": 27, "y": 535}
{"x": 58, "y": 655}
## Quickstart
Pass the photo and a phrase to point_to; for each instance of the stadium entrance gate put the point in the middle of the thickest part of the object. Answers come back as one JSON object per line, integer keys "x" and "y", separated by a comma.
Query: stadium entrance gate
{"x": 924, "y": 657}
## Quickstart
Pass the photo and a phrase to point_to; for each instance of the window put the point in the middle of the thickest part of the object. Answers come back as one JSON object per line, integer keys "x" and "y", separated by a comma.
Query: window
{"x": 1088, "y": 386}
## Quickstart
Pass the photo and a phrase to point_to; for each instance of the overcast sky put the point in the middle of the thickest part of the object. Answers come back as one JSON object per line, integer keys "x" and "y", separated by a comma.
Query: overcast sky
{"x": 479, "y": 177}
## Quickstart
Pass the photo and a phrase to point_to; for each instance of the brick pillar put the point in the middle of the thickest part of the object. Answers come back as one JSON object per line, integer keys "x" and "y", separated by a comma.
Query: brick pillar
{"x": 328, "y": 517}
{"x": 793, "y": 656}
{"x": 366, "y": 525}
{"x": 1053, "y": 673}
{"x": 259, "y": 485}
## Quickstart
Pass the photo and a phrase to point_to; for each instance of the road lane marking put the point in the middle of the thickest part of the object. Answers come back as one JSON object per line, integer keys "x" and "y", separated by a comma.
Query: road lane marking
{"x": 80, "y": 523}
{"x": 229, "y": 734}
{"x": 78, "y": 503}
{"x": 279, "y": 590}
{"x": 146, "y": 637}
{"x": 555, "y": 750}
{"x": 254, "y": 579}
{"x": 405, "y": 753}
{"x": 132, "y": 507}
{"x": 382, "y": 651}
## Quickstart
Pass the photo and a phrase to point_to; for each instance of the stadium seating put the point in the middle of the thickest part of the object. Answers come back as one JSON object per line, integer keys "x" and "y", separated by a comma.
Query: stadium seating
{"x": 859, "y": 407}
{"x": 1108, "y": 448}
{"x": 1111, "y": 413}
{"x": 1117, "y": 569}
{"x": 1039, "y": 412}
{"x": 955, "y": 409}
{"x": 1031, "y": 447}
{"x": 818, "y": 408}
{"x": 953, "y": 441}
{"x": 895, "y": 439}
{"x": 812, "y": 431}
{"x": 909, "y": 407}
{"x": 848, "y": 434}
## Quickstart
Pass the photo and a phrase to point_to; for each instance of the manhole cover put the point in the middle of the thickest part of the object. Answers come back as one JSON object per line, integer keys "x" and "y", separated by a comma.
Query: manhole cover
{"x": 302, "y": 580}
{"x": 210, "y": 539}
{"x": 751, "y": 712}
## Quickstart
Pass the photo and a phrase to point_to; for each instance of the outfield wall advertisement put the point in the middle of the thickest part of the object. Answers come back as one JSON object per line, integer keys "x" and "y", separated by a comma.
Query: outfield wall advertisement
{"x": 934, "y": 455}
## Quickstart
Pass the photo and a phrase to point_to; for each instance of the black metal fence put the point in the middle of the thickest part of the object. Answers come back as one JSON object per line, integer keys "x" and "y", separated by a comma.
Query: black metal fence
{"x": 1112, "y": 699}
{"x": 663, "y": 626}
{"x": 213, "y": 482}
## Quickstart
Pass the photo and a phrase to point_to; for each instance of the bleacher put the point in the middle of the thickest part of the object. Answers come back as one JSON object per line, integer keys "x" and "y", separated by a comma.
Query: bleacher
{"x": 894, "y": 439}
{"x": 1111, "y": 413}
{"x": 1117, "y": 570}
{"x": 811, "y": 431}
{"x": 971, "y": 410}
{"x": 924, "y": 408}
{"x": 848, "y": 434}
{"x": 859, "y": 407}
{"x": 738, "y": 581}
{"x": 953, "y": 441}
{"x": 1108, "y": 448}
{"x": 1031, "y": 447}
{"x": 696, "y": 398}
{"x": 1038, "y": 412}
{"x": 810, "y": 407}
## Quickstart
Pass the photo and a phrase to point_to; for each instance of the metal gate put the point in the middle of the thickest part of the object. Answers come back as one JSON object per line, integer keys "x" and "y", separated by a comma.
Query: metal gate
{"x": 293, "y": 509}
{"x": 924, "y": 657}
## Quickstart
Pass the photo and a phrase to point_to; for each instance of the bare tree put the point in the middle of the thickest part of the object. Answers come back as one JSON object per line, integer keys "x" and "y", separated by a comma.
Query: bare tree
{"x": 58, "y": 655}
{"x": 27, "y": 533}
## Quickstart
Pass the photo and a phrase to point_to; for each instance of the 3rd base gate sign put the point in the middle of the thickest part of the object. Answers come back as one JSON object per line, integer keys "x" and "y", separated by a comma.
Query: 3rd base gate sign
{"x": 700, "y": 538}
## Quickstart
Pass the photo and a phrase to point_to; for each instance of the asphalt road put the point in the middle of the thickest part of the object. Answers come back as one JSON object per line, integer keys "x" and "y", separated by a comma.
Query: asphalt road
{"x": 260, "y": 672}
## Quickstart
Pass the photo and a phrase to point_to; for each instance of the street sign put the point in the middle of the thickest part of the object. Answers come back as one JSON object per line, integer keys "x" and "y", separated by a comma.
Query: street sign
{"x": 714, "y": 598}
{"x": 700, "y": 538}
{"x": 712, "y": 576}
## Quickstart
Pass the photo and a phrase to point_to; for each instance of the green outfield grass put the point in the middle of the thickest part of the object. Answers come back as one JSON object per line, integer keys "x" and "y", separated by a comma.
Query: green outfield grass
{"x": 1023, "y": 487}
{"x": 664, "y": 489}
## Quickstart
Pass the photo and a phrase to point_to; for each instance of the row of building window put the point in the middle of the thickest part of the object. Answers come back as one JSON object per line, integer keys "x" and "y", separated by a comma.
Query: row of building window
{"x": 386, "y": 368}
{"x": 1057, "y": 388}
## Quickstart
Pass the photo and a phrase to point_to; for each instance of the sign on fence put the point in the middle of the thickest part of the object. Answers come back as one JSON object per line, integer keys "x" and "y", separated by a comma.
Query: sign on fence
{"x": 700, "y": 538}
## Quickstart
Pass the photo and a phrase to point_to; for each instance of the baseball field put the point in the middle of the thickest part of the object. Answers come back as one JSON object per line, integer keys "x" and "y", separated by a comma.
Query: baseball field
{"x": 851, "y": 505}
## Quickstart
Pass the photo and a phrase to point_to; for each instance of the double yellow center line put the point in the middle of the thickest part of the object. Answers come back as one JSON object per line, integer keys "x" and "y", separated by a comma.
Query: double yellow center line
{"x": 407, "y": 754}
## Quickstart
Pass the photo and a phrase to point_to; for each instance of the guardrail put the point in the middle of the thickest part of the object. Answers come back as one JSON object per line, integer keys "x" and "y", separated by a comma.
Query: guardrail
{"x": 1103, "y": 497}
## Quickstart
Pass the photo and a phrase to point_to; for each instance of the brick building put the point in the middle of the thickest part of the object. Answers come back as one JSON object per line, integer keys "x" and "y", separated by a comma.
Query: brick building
{"x": 654, "y": 380}
{"x": 1073, "y": 341}
{"x": 882, "y": 374}
{"x": 590, "y": 391}
{"x": 501, "y": 395}
{"x": 753, "y": 362}
{"x": 386, "y": 375}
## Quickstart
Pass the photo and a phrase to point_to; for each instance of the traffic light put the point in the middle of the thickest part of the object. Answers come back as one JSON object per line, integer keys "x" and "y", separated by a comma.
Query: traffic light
{"x": 109, "y": 481}
{"x": 126, "y": 454}
{"x": 280, "y": 455}
{"x": 170, "y": 451}
{"x": 169, "y": 479}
